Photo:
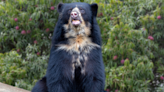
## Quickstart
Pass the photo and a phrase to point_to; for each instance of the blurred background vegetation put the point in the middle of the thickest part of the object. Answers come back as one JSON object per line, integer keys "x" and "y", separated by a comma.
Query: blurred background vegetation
{"x": 132, "y": 33}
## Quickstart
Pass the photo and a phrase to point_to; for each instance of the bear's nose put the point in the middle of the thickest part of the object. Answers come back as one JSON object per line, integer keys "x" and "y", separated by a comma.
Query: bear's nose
{"x": 74, "y": 14}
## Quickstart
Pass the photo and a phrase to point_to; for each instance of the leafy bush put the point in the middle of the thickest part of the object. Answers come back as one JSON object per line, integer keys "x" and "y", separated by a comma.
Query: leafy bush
{"x": 25, "y": 22}
{"x": 22, "y": 72}
{"x": 128, "y": 37}
{"x": 12, "y": 67}
{"x": 132, "y": 52}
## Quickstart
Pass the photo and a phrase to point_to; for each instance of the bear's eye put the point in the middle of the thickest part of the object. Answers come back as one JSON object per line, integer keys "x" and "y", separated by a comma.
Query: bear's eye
{"x": 82, "y": 11}
{"x": 69, "y": 11}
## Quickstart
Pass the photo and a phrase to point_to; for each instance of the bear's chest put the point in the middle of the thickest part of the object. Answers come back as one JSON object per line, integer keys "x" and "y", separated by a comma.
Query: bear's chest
{"x": 78, "y": 47}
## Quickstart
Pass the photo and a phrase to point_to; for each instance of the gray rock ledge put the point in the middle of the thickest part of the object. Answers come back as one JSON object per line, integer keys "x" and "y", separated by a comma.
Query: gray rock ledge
{"x": 8, "y": 88}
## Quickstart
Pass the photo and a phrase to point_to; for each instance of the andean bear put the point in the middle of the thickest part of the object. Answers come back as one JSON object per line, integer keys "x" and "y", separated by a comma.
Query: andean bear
{"x": 75, "y": 63}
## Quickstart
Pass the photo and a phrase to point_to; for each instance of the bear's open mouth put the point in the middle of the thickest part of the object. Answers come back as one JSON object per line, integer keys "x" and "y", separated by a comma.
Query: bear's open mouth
{"x": 76, "y": 22}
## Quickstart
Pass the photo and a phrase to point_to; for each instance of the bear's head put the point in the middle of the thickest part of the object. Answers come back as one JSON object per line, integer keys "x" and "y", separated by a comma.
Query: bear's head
{"x": 79, "y": 28}
{"x": 77, "y": 13}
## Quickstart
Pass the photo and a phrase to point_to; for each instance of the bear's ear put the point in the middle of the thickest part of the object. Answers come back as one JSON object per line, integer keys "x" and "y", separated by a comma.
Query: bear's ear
{"x": 60, "y": 7}
{"x": 94, "y": 8}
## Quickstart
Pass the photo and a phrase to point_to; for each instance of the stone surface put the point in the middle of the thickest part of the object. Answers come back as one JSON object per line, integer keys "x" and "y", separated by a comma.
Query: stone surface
{"x": 8, "y": 88}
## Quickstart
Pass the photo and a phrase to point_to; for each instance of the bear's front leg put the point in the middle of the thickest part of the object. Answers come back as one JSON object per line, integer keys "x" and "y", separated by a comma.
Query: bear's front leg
{"x": 94, "y": 80}
{"x": 59, "y": 72}
{"x": 94, "y": 83}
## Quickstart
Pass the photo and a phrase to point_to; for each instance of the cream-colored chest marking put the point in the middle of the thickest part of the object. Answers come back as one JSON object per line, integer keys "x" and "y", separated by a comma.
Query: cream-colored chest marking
{"x": 78, "y": 39}
{"x": 79, "y": 44}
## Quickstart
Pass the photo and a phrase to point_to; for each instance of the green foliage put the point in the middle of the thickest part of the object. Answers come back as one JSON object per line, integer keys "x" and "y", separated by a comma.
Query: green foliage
{"x": 153, "y": 22}
{"x": 12, "y": 67}
{"x": 129, "y": 32}
{"x": 132, "y": 69}
{"x": 35, "y": 18}
{"x": 22, "y": 72}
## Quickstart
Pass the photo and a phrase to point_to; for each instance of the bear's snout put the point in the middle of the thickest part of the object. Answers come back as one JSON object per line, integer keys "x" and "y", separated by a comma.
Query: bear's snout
{"x": 74, "y": 14}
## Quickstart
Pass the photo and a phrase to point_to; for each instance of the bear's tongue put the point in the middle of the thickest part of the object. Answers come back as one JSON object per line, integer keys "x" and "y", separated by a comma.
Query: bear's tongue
{"x": 75, "y": 22}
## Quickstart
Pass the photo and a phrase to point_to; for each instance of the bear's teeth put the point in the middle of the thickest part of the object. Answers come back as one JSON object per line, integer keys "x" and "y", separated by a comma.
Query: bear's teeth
{"x": 75, "y": 22}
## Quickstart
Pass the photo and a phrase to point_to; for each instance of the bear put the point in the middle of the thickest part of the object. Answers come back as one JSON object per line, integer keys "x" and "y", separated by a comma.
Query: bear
{"x": 75, "y": 63}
